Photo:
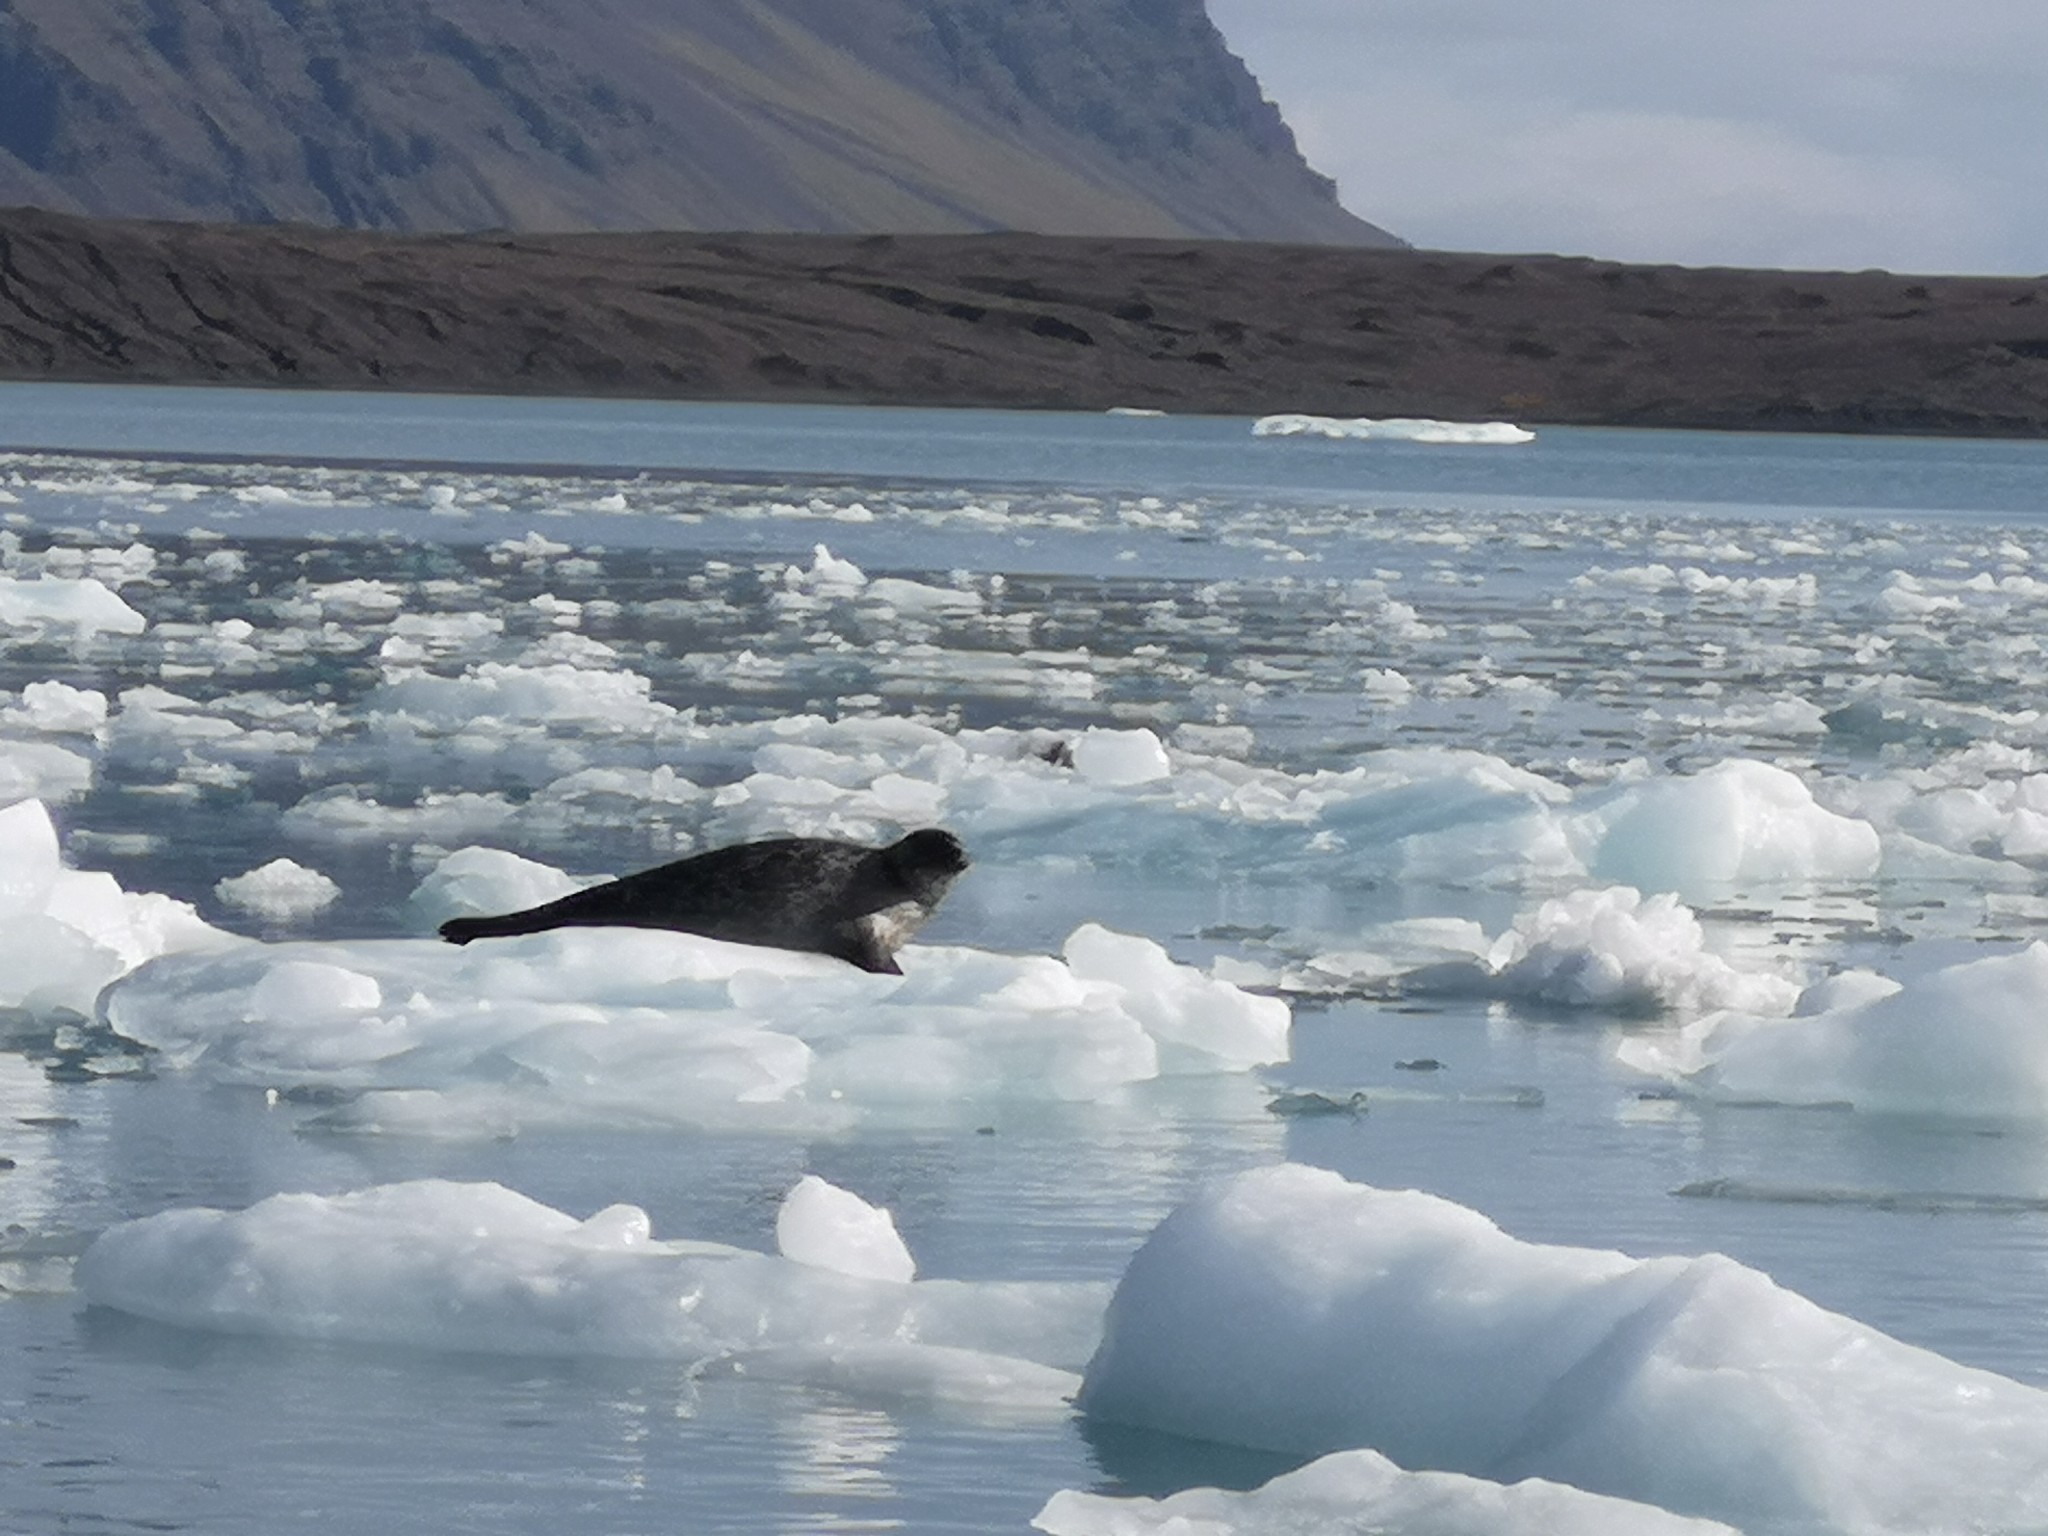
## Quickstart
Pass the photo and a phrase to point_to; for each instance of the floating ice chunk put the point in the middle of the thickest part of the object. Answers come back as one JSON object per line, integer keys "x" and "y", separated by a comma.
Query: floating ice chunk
{"x": 645, "y": 1027}
{"x": 441, "y": 1265}
{"x": 1201, "y": 1023}
{"x": 1406, "y": 429}
{"x": 1120, "y": 758}
{"x": 1618, "y": 951}
{"x": 64, "y": 934}
{"x": 42, "y": 770}
{"x": 1970, "y": 1040}
{"x": 343, "y": 814}
{"x": 479, "y": 882}
{"x": 533, "y": 548}
{"x": 280, "y": 890}
{"x": 554, "y": 695}
{"x": 29, "y": 859}
{"x": 1738, "y": 824}
{"x": 1360, "y": 1491}
{"x": 83, "y": 606}
{"x": 1291, "y": 1310}
{"x": 356, "y": 599}
{"x": 833, "y": 1228}
{"x": 906, "y": 596}
{"x": 57, "y": 709}
{"x": 828, "y": 574}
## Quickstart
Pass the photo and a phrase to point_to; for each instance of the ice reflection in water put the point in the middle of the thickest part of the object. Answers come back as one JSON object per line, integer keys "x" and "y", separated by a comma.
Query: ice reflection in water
{"x": 837, "y": 1466}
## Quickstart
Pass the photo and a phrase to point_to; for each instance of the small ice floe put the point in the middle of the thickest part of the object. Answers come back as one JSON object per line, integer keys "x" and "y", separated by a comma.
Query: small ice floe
{"x": 66, "y": 933}
{"x": 1400, "y": 429}
{"x": 1133, "y": 410}
{"x": 827, "y": 575}
{"x": 281, "y": 891}
{"x": 1970, "y": 1040}
{"x": 1608, "y": 950}
{"x": 1740, "y": 823}
{"x": 79, "y": 607}
{"x": 833, "y": 1228}
{"x": 1618, "y": 951}
{"x": 477, "y": 882}
{"x": 1363, "y": 1491}
{"x": 56, "y": 709}
{"x": 476, "y": 1267}
{"x": 42, "y": 770}
{"x": 1290, "y": 1310}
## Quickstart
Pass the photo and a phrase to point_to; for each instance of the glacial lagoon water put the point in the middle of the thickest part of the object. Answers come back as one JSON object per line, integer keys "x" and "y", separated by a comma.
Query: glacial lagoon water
{"x": 1416, "y": 714}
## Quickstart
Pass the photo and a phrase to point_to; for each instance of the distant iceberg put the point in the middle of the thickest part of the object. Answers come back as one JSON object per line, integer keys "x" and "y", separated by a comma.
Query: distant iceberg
{"x": 1392, "y": 429}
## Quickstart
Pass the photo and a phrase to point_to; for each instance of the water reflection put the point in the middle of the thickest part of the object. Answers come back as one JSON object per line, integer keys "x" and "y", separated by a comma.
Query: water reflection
{"x": 835, "y": 1470}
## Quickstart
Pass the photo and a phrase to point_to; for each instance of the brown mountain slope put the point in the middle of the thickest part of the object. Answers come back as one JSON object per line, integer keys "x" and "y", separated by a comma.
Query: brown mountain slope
{"x": 1020, "y": 320}
{"x": 1062, "y": 116}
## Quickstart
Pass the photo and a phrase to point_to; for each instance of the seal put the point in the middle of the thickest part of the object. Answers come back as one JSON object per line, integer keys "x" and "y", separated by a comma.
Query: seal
{"x": 814, "y": 894}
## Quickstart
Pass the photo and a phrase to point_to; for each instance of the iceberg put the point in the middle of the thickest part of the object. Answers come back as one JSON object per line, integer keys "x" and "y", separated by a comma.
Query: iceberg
{"x": 1969, "y": 1040}
{"x": 1399, "y": 429}
{"x": 435, "y": 1264}
{"x": 645, "y": 1027}
{"x": 66, "y": 933}
{"x": 1289, "y": 1309}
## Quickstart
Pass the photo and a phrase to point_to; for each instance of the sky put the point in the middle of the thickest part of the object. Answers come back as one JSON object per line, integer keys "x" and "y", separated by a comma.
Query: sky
{"x": 1905, "y": 134}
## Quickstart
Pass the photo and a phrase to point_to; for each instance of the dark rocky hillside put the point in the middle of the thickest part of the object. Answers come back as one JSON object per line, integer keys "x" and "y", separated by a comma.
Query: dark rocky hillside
{"x": 1124, "y": 117}
{"x": 1021, "y": 320}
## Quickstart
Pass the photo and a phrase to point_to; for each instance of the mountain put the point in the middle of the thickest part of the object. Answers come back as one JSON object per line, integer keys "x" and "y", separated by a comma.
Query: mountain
{"x": 1104, "y": 117}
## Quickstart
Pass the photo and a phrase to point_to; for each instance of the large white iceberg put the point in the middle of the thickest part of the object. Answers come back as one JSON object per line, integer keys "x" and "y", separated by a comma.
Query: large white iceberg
{"x": 477, "y": 1267}
{"x": 1968, "y": 1040}
{"x": 1291, "y": 1310}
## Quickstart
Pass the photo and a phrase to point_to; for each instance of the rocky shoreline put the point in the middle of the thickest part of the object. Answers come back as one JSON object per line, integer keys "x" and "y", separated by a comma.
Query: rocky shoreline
{"x": 1023, "y": 321}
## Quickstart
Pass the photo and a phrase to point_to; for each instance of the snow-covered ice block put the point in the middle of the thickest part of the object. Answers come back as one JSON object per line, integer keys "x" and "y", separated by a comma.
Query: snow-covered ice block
{"x": 639, "y": 1026}
{"x": 280, "y": 890}
{"x": 1740, "y": 823}
{"x": 1968, "y": 1040}
{"x": 1362, "y": 1491}
{"x": 477, "y": 1267}
{"x": 1292, "y": 1310}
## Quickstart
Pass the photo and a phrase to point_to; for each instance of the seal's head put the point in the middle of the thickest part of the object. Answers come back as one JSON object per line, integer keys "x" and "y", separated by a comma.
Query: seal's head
{"x": 926, "y": 862}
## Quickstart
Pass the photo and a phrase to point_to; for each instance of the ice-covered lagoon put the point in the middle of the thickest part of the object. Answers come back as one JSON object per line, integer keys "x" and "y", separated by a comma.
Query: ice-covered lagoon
{"x": 1678, "y": 796}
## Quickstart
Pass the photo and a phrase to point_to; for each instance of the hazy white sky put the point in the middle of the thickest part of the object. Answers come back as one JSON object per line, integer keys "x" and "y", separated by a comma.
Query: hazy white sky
{"x": 1909, "y": 134}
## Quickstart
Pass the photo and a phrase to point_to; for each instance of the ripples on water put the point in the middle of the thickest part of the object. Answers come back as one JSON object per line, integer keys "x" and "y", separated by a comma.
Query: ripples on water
{"x": 1592, "y": 607}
